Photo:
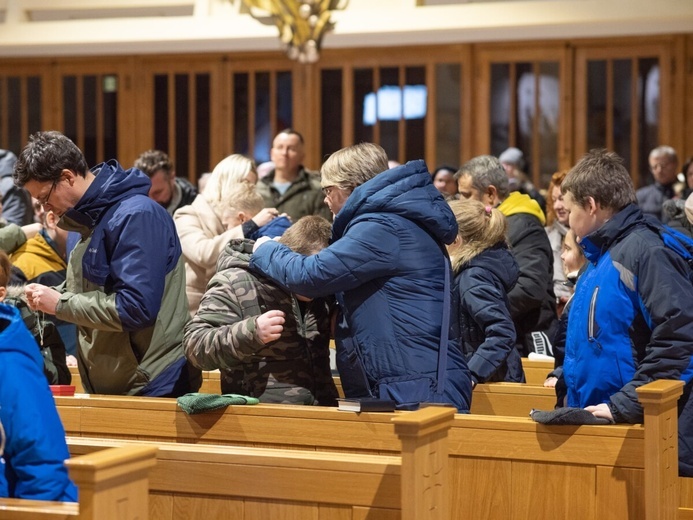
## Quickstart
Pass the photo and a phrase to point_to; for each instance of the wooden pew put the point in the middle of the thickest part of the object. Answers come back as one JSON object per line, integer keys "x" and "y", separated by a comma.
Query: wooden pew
{"x": 113, "y": 485}
{"x": 196, "y": 481}
{"x": 500, "y": 467}
{"x": 536, "y": 371}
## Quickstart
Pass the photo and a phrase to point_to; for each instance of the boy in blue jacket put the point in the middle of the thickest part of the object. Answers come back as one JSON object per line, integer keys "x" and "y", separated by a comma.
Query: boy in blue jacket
{"x": 631, "y": 318}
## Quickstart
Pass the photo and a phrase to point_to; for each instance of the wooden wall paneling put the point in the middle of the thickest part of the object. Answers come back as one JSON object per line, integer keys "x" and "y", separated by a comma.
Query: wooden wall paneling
{"x": 142, "y": 104}
{"x": 330, "y": 512}
{"x": 610, "y": 104}
{"x": 402, "y": 123}
{"x": 566, "y": 128}
{"x": 635, "y": 111}
{"x": 536, "y": 142}
{"x": 192, "y": 129}
{"x": 686, "y": 102}
{"x": 431, "y": 125}
{"x": 4, "y": 116}
{"x": 468, "y": 107}
{"x": 580, "y": 104}
{"x": 251, "y": 113}
{"x": 347, "y": 105}
{"x": 678, "y": 98}
{"x": 482, "y": 103}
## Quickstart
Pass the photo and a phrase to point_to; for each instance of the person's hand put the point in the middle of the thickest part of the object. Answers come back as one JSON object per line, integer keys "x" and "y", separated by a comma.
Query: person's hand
{"x": 270, "y": 326}
{"x": 31, "y": 230}
{"x": 265, "y": 216}
{"x": 41, "y": 298}
{"x": 259, "y": 242}
{"x": 550, "y": 382}
{"x": 71, "y": 360}
{"x": 600, "y": 410}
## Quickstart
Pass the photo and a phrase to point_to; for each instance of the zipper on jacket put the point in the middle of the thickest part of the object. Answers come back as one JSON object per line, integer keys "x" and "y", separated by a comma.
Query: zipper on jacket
{"x": 591, "y": 319}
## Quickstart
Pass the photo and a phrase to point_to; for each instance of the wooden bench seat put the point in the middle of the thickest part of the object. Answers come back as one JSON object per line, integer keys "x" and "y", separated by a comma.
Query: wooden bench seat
{"x": 113, "y": 485}
{"x": 500, "y": 467}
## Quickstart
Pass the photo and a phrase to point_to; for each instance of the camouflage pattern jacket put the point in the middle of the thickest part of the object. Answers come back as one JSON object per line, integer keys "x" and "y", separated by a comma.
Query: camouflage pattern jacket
{"x": 222, "y": 335}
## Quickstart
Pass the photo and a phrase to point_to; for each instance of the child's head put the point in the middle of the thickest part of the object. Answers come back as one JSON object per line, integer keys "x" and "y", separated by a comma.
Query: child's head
{"x": 308, "y": 236}
{"x": 5, "y": 268}
{"x": 479, "y": 227}
{"x": 596, "y": 188}
{"x": 241, "y": 203}
{"x": 572, "y": 255}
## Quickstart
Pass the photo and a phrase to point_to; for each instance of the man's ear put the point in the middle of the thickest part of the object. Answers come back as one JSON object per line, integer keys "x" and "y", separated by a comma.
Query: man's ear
{"x": 3, "y": 293}
{"x": 592, "y": 206}
{"x": 492, "y": 194}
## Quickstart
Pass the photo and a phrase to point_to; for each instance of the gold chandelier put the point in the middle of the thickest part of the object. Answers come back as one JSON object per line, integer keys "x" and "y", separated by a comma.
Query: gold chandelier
{"x": 301, "y": 23}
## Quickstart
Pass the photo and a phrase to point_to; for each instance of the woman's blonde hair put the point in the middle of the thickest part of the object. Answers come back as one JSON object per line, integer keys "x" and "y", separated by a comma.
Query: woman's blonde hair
{"x": 227, "y": 174}
{"x": 352, "y": 166}
{"x": 479, "y": 227}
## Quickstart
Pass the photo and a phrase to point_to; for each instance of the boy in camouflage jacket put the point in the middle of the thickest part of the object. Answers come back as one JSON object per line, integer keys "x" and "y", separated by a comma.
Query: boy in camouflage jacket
{"x": 268, "y": 343}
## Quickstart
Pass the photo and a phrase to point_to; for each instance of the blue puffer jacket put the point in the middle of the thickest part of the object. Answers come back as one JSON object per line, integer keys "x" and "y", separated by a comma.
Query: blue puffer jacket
{"x": 483, "y": 313}
{"x": 387, "y": 268}
{"x": 631, "y": 322}
{"x": 33, "y": 463}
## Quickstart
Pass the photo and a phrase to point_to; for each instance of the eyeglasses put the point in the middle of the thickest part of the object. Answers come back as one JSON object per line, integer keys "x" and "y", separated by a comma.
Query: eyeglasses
{"x": 44, "y": 201}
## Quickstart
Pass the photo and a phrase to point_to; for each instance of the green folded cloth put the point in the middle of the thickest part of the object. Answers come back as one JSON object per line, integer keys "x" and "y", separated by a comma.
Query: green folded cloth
{"x": 198, "y": 403}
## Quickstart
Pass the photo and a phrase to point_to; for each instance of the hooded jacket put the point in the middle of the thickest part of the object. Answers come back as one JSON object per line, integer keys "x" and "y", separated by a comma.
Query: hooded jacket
{"x": 32, "y": 466}
{"x": 387, "y": 268}
{"x": 304, "y": 196}
{"x": 532, "y": 300}
{"x": 125, "y": 289}
{"x": 631, "y": 322}
{"x": 294, "y": 369}
{"x": 484, "y": 323}
{"x": 39, "y": 261}
{"x": 16, "y": 202}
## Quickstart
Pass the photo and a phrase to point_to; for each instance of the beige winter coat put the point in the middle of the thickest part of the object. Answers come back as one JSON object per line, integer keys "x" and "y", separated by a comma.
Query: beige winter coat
{"x": 202, "y": 237}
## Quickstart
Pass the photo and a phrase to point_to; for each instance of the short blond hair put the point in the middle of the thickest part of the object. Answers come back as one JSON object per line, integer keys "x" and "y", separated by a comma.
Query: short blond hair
{"x": 479, "y": 227}
{"x": 243, "y": 196}
{"x": 354, "y": 165}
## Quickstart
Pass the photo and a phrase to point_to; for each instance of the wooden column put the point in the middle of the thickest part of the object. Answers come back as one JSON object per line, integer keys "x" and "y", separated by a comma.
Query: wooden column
{"x": 659, "y": 401}
{"x": 425, "y": 481}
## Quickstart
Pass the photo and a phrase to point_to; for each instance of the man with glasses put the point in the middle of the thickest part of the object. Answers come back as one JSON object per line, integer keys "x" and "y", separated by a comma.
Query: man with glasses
{"x": 125, "y": 280}
{"x": 664, "y": 165}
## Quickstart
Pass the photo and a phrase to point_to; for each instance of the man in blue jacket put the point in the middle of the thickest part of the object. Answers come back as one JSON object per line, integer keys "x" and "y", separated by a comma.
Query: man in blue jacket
{"x": 631, "y": 318}
{"x": 125, "y": 280}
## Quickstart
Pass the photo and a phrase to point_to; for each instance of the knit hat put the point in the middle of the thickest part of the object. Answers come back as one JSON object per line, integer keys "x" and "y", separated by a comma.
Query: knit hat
{"x": 198, "y": 403}
{"x": 567, "y": 415}
{"x": 513, "y": 156}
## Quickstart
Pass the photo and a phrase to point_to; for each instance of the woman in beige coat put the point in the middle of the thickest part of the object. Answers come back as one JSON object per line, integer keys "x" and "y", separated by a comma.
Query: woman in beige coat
{"x": 215, "y": 217}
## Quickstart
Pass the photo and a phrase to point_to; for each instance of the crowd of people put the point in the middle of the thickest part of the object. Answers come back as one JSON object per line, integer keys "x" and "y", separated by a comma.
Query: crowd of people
{"x": 429, "y": 283}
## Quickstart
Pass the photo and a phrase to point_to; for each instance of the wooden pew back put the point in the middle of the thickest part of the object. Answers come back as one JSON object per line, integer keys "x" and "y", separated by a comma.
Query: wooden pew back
{"x": 500, "y": 467}
{"x": 209, "y": 481}
{"x": 113, "y": 485}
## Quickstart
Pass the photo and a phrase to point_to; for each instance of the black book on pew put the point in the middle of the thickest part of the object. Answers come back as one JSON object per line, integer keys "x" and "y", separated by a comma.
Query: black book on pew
{"x": 366, "y": 404}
